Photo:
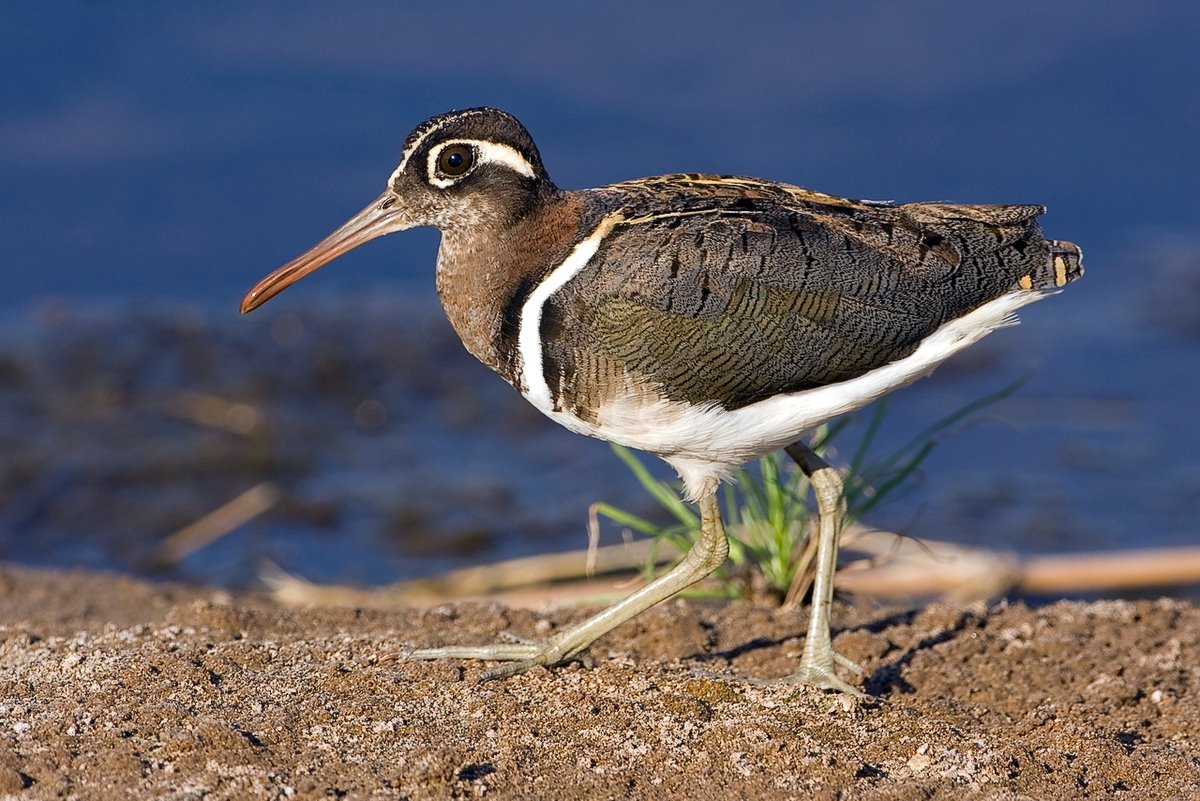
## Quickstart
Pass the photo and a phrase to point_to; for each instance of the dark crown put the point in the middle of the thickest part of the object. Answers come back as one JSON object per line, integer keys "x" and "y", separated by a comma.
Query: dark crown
{"x": 483, "y": 124}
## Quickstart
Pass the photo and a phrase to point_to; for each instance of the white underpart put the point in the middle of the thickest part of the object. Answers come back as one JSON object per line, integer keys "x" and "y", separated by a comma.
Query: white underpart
{"x": 529, "y": 340}
{"x": 706, "y": 443}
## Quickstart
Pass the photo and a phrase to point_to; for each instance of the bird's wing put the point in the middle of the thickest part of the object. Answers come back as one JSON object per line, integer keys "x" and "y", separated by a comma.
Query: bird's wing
{"x": 737, "y": 295}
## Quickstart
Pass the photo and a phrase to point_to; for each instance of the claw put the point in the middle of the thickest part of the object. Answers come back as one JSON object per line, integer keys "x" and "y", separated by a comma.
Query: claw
{"x": 850, "y": 665}
{"x": 820, "y": 676}
{"x": 823, "y": 678}
{"x": 509, "y": 669}
{"x": 518, "y": 654}
{"x": 818, "y": 669}
{"x": 500, "y": 652}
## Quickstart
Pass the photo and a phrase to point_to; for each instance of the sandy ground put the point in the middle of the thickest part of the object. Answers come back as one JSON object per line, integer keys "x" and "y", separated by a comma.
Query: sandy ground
{"x": 112, "y": 688}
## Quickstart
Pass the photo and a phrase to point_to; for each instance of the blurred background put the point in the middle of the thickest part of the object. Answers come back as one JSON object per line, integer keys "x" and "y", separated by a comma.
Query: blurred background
{"x": 157, "y": 159}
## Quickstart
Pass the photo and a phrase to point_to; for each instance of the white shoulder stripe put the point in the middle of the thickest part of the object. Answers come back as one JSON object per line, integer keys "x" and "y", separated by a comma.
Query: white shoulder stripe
{"x": 529, "y": 341}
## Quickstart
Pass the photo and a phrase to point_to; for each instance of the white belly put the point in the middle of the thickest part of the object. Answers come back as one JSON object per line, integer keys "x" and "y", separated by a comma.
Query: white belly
{"x": 705, "y": 443}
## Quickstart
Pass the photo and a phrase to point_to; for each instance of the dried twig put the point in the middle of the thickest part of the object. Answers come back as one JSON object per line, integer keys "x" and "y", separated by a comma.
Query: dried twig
{"x": 216, "y": 524}
{"x": 473, "y": 582}
{"x": 882, "y": 565}
{"x": 214, "y": 411}
{"x": 1123, "y": 570}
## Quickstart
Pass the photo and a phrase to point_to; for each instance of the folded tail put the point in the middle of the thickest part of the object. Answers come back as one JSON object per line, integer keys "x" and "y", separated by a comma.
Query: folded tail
{"x": 1063, "y": 264}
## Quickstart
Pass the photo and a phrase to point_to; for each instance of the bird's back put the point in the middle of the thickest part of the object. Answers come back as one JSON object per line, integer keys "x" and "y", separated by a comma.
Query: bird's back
{"x": 726, "y": 291}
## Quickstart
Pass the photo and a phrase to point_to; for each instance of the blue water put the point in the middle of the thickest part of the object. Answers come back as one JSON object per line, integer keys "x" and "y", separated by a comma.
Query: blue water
{"x": 166, "y": 155}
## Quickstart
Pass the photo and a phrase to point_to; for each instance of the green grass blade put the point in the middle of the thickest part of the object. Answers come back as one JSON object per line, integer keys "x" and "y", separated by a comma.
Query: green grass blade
{"x": 826, "y": 433}
{"x": 868, "y": 437}
{"x": 894, "y": 479}
{"x": 627, "y": 519}
{"x": 661, "y": 491}
{"x": 767, "y": 508}
{"x": 937, "y": 428}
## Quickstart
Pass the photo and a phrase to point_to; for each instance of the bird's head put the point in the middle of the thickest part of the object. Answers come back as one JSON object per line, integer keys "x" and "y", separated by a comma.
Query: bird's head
{"x": 462, "y": 171}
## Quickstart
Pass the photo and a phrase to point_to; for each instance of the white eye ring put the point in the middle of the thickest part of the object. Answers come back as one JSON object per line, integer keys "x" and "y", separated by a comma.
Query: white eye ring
{"x": 442, "y": 175}
{"x": 482, "y": 152}
{"x": 455, "y": 161}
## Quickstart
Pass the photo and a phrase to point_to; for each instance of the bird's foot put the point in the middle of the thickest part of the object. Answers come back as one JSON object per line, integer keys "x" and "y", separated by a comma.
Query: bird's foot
{"x": 519, "y": 653}
{"x": 821, "y": 673}
{"x": 818, "y": 669}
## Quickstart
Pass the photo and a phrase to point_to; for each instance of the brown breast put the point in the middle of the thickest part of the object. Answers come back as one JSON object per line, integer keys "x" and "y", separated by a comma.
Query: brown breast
{"x": 484, "y": 277}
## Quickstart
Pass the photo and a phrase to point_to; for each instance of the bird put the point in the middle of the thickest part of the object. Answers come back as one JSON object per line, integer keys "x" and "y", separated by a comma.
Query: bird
{"x": 706, "y": 319}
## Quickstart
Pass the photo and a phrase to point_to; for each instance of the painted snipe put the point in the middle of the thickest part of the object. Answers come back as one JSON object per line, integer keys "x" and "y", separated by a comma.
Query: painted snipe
{"x": 706, "y": 319}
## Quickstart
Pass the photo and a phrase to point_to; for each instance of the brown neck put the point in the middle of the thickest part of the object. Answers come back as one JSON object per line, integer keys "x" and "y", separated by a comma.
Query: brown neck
{"x": 485, "y": 276}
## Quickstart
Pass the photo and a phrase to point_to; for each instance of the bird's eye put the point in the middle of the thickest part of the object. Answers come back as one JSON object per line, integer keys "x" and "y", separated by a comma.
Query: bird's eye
{"x": 455, "y": 160}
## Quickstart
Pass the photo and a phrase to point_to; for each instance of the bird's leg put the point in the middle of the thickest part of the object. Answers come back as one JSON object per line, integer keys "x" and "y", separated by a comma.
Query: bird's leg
{"x": 818, "y": 660}
{"x": 705, "y": 556}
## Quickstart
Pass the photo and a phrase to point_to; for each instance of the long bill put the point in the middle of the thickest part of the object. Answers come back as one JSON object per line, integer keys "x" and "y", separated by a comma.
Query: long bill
{"x": 379, "y": 218}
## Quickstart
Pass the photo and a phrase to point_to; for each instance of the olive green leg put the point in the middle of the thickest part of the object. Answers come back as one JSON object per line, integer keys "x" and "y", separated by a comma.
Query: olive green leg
{"x": 818, "y": 659}
{"x": 705, "y": 556}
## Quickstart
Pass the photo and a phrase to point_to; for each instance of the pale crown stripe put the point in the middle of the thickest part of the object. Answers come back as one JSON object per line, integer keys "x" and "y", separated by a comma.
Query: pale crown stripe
{"x": 408, "y": 151}
{"x": 407, "y": 154}
{"x": 529, "y": 341}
